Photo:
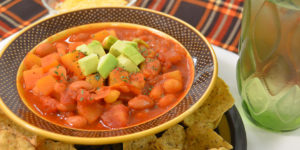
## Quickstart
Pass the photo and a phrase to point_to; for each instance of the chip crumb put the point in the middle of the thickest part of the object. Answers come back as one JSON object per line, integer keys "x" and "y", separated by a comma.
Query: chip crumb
{"x": 171, "y": 139}
{"x": 145, "y": 143}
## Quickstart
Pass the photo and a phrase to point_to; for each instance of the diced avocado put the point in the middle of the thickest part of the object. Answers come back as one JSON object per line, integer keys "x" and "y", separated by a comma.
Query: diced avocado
{"x": 115, "y": 48}
{"x": 109, "y": 41}
{"x": 127, "y": 64}
{"x": 82, "y": 48}
{"x": 88, "y": 64}
{"x": 106, "y": 64}
{"x": 137, "y": 59}
{"x": 95, "y": 47}
{"x": 133, "y": 43}
{"x": 127, "y": 48}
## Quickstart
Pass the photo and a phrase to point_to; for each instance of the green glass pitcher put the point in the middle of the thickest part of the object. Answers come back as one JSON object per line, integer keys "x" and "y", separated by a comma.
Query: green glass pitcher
{"x": 268, "y": 70}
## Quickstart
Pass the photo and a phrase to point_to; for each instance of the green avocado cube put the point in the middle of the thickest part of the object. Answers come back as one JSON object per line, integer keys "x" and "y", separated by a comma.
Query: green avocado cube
{"x": 88, "y": 64}
{"x": 127, "y": 64}
{"x": 132, "y": 43}
{"x": 82, "y": 48}
{"x": 95, "y": 47}
{"x": 135, "y": 56}
{"x": 109, "y": 41}
{"x": 115, "y": 49}
{"x": 106, "y": 64}
{"x": 128, "y": 49}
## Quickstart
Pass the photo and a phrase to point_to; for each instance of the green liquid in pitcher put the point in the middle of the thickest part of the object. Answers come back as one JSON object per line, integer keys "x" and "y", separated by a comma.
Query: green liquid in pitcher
{"x": 268, "y": 71}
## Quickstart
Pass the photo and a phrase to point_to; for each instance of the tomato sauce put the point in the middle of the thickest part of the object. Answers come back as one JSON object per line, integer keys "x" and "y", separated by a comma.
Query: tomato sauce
{"x": 55, "y": 89}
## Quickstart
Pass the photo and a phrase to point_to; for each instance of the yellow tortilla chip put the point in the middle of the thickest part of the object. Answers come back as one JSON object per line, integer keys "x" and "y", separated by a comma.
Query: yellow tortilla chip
{"x": 172, "y": 139}
{"x": 218, "y": 102}
{"x": 201, "y": 137}
{"x": 11, "y": 141}
{"x": 7, "y": 124}
{"x": 146, "y": 143}
{"x": 51, "y": 145}
{"x": 221, "y": 148}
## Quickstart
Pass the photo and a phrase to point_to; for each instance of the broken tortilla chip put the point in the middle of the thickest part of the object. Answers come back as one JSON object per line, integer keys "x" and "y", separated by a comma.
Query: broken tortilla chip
{"x": 145, "y": 143}
{"x": 7, "y": 124}
{"x": 201, "y": 137}
{"x": 171, "y": 139}
{"x": 218, "y": 102}
{"x": 11, "y": 141}
{"x": 52, "y": 145}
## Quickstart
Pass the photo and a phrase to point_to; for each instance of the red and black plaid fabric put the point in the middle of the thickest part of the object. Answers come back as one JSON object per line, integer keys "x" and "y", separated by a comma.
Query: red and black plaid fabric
{"x": 218, "y": 20}
{"x": 16, "y": 14}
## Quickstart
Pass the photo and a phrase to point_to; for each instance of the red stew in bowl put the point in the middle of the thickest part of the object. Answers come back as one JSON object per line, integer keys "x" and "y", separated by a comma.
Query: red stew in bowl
{"x": 61, "y": 89}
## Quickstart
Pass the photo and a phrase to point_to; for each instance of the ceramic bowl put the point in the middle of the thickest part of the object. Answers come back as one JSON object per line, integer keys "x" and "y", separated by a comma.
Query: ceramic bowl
{"x": 203, "y": 56}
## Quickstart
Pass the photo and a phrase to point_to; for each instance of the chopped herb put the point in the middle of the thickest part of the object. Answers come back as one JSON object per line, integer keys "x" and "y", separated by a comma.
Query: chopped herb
{"x": 97, "y": 88}
{"x": 91, "y": 98}
{"x": 143, "y": 50}
{"x": 157, "y": 55}
{"x": 150, "y": 89}
{"x": 82, "y": 92}
{"x": 56, "y": 72}
{"x": 81, "y": 99}
{"x": 97, "y": 77}
{"x": 63, "y": 76}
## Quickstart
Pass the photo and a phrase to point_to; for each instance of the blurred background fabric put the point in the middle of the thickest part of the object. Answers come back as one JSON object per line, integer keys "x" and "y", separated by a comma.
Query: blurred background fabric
{"x": 16, "y": 14}
{"x": 218, "y": 20}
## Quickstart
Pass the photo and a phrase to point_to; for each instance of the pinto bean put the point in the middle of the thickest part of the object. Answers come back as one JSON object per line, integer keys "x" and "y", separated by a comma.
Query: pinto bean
{"x": 172, "y": 86}
{"x": 166, "y": 100}
{"x": 141, "y": 102}
{"x": 76, "y": 121}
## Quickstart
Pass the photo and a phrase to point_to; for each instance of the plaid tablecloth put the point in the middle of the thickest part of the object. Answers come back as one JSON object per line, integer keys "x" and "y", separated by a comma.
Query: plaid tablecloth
{"x": 218, "y": 20}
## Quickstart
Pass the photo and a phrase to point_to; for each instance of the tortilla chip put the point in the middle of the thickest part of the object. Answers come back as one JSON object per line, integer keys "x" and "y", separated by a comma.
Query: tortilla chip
{"x": 172, "y": 139}
{"x": 51, "y": 145}
{"x": 221, "y": 148}
{"x": 146, "y": 143}
{"x": 201, "y": 137}
{"x": 11, "y": 141}
{"x": 7, "y": 124}
{"x": 218, "y": 102}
